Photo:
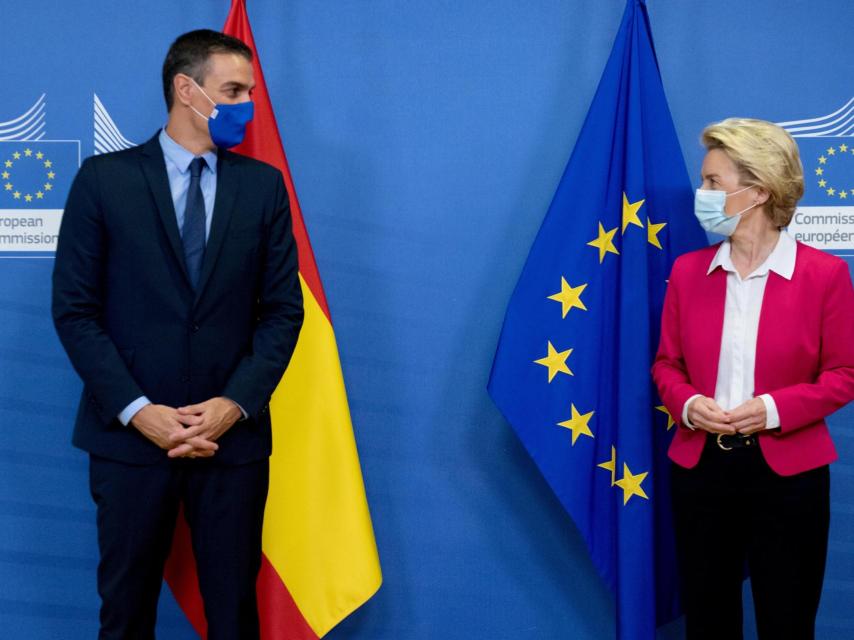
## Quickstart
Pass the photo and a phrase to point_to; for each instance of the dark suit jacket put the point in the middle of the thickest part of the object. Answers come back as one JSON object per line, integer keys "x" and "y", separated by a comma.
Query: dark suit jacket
{"x": 130, "y": 321}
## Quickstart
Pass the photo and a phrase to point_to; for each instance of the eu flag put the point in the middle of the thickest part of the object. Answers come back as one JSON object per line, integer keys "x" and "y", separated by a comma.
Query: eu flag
{"x": 572, "y": 369}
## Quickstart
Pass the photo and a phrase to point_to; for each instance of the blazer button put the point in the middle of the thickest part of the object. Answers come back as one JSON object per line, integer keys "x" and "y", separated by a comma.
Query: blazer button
{"x": 194, "y": 327}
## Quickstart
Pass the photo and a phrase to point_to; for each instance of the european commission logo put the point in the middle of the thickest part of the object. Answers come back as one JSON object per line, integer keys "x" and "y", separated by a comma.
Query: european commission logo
{"x": 825, "y": 217}
{"x": 35, "y": 175}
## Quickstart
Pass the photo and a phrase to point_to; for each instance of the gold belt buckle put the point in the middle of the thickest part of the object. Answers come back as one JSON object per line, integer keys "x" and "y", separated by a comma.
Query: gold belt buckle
{"x": 721, "y": 444}
{"x": 747, "y": 440}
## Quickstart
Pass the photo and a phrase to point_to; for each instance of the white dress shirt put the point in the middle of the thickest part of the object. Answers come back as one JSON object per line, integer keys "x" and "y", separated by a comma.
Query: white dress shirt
{"x": 743, "y": 305}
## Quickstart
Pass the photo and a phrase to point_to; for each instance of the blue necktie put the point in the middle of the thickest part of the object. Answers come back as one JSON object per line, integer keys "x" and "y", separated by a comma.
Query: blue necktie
{"x": 193, "y": 232}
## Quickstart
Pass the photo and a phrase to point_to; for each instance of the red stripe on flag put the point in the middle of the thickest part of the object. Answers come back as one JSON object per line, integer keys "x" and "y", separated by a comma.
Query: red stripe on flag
{"x": 278, "y": 613}
{"x": 180, "y": 574}
{"x": 263, "y": 142}
{"x": 280, "y": 616}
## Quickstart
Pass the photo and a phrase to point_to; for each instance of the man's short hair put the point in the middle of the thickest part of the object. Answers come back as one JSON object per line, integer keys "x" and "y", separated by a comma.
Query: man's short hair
{"x": 190, "y": 53}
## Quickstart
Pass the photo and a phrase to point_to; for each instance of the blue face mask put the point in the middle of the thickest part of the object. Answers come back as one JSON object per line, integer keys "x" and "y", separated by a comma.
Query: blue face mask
{"x": 709, "y": 208}
{"x": 227, "y": 122}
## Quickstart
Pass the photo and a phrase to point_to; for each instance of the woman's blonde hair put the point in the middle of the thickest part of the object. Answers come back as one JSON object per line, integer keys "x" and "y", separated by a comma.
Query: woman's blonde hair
{"x": 766, "y": 156}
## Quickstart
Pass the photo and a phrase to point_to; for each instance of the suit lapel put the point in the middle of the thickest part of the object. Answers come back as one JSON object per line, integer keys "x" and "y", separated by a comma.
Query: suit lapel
{"x": 154, "y": 168}
{"x": 227, "y": 180}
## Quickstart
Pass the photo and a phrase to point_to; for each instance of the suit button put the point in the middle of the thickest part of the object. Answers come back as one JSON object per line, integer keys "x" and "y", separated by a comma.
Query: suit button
{"x": 194, "y": 327}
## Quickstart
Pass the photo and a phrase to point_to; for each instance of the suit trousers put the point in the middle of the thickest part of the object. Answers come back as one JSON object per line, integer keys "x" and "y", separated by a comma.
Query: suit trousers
{"x": 137, "y": 508}
{"x": 734, "y": 516}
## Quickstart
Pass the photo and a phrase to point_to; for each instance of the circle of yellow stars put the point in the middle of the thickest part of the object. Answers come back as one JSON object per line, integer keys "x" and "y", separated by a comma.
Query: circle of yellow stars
{"x": 823, "y": 159}
{"x": 18, "y": 156}
{"x": 555, "y": 361}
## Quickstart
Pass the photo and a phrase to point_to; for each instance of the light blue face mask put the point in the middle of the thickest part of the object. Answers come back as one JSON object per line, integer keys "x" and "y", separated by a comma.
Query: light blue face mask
{"x": 709, "y": 208}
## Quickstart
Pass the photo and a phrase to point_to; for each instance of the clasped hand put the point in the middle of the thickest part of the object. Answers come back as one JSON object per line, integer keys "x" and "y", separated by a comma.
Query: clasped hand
{"x": 749, "y": 417}
{"x": 187, "y": 432}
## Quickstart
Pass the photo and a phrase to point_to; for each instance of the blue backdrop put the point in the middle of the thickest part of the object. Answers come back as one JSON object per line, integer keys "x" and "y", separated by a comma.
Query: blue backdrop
{"x": 426, "y": 141}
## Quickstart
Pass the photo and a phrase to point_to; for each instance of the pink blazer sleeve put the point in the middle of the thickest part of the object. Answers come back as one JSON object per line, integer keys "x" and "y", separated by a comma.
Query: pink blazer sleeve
{"x": 803, "y": 404}
{"x": 669, "y": 370}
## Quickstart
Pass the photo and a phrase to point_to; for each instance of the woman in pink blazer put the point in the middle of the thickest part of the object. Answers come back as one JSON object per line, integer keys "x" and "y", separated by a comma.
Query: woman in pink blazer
{"x": 757, "y": 348}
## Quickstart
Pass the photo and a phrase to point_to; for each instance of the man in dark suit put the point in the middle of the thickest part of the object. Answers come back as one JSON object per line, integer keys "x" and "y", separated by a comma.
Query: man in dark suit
{"x": 177, "y": 298}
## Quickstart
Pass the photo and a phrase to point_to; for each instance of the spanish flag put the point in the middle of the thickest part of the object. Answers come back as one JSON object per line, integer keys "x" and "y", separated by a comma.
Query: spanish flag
{"x": 320, "y": 559}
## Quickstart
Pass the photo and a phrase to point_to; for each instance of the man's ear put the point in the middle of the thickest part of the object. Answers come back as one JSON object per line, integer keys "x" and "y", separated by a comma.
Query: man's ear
{"x": 182, "y": 87}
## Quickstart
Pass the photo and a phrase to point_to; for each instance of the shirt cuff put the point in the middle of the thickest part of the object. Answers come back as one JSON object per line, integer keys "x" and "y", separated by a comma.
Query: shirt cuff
{"x": 242, "y": 410}
{"x": 772, "y": 416}
{"x": 132, "y": 409}
{"x": 685, "y": 420}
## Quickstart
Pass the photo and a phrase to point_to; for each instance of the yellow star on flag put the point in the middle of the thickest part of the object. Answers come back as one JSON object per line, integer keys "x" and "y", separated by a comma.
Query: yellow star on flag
{"x": 569, "y": 297}
{"x": 831, "y": 191}
{"x": 5, "y": 175}
{"x": 48, "y": 164}
{"x": 39, "y": 195}
{"x": 28, "y": 198}
{"x": 819, "y": 171}
{"x": 610, "y": 465}
{"x": 843, "y": 194}
{"x": 555, "y": 361}
{"x": 843, "y": 148}
{"x": 822, "y": 183}
{"x": 822, "y": 160}
{"x": 17, "y": 195}
{"x": 831, "y": 151}
{"x": 652, "y": 229}
{"x": 17, "y": 155}
{"x": 630, "y": 212}
{"x": 48, "y": 186}
{"x": 578, "y": 424}
{"x": 51, "y": 175}
{"x": 670, "y": 420}
{"x": 39, "y": 155}
{"x": 631, "y": 484}
{"x": 8, "y": 163}
{"x": 28, "y": 152}
{"x": 8, "y": 186}
{"x": 604, "y": 242}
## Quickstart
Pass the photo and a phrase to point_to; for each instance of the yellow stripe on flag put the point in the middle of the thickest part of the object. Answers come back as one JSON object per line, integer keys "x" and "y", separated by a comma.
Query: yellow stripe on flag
{"x": 317, "y": 527}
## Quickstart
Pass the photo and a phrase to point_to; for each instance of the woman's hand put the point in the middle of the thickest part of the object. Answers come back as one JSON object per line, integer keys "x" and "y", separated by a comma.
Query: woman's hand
{"x": 704, "y": 413}
{"x": 749, "y": 417}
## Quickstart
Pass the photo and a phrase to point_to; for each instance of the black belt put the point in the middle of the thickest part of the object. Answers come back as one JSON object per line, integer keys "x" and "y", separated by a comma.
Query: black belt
{"x": 736, "y": 441}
